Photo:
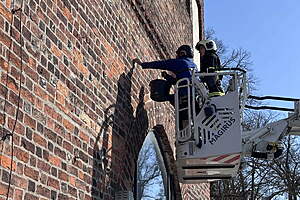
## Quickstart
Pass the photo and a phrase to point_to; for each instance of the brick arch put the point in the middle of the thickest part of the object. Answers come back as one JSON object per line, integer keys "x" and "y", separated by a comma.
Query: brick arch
{"x": 161, "y": 119}
{"x": 160, "y": 140}
{"x": 167, "y": 151}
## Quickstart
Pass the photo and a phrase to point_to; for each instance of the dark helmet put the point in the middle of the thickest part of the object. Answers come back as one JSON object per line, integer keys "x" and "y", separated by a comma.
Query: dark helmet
{"x": 187, "y": 49}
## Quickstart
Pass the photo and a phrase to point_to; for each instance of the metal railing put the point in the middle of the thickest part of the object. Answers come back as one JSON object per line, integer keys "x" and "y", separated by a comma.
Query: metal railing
{"x": 184, "y": 133}
{"x": 190, "y": 86}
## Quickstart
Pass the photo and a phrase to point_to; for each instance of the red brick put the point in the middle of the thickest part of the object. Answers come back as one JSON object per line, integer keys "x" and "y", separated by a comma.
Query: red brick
{"x": 38, "y": 91}
{"x": 49, "y": 111}
{"x": 39, "y": 104}
{"x": 55, "y": 160}
{"x": 59, "y": 129}
{"x": 4, "y": 38}
{"x": 29, "y": 196}
{"x": 68, "y": 146}
{"x": 14, "y": 99}
{"x": 81, "y": 175}
{"x": 30, "y": 121}
{"x": 27, "y": 95}
{"x": 68, "y": 14}
{"x": 68, "y": 125}
{"x": 31, "y": 73}
{"x": 32, "y": 65}
{"x": 84, "y": 137}
{"x": 2, "y": 118}
{"x": 17, "y": 126}
{"x": 56, "y": 51}
{"x": 19, "y": 181}
{"x": 45, "y": 167}
{"x": 53, "y": 183}
{"x": 10, "y": 82}
{"x": 3, "y": 64}
{"x": 42, "y": 16}
{"x": 72, "y": 180}
{"x": 60, "y": 98}
{"x": 15, "y": 59}
{"x": 31, "y": 173}
{"x": 63, "y": 176}
{"x": 43, "y": 191}
{"x": 21, "y": 154}
{"x": 5, "y": 162}
{"x": 50, "y": 123}
{"x": 39, "y": 140}
{"x": 80, "y": 184}
{"x": 5, "y": 12}
{"x": 3, "y": 189}
{"x": 18, "y": 194}
{"x": 59, "y": 152}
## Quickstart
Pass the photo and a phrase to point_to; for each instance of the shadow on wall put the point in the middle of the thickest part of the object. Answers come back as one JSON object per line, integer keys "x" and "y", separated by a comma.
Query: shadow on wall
{"x": 118, "y": 142}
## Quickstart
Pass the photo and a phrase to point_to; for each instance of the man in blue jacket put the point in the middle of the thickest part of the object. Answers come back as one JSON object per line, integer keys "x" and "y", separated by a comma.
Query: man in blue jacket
{"x": 180, "y": 66}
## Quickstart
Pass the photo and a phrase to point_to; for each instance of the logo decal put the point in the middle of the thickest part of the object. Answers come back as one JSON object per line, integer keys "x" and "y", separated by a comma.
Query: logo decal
{"x": 223, "y": 129}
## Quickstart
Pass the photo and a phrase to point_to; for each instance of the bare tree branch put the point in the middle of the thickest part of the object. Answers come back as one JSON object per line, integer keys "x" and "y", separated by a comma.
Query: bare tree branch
{"x": 149, "y": 174}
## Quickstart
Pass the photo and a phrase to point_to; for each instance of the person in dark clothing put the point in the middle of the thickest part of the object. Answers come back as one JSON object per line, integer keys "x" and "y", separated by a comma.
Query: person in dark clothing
{"x": 180, "y": 66}
{"x": 210, "y": 62}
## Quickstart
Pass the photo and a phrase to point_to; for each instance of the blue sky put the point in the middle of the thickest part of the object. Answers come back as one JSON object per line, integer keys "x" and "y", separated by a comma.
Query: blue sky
{"x": 270, "y": 31}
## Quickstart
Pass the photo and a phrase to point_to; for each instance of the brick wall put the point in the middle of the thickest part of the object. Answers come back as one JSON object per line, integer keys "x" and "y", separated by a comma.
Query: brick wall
{"x": 77, "y": 109}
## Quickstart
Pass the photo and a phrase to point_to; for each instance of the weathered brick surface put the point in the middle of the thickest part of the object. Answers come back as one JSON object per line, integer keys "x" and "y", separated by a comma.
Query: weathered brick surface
{"x": 80, "y": 97}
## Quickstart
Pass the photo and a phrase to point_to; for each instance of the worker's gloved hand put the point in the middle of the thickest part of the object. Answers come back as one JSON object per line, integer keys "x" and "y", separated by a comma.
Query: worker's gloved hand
{"x": 219, "y": 83}
{"x": 164, "y": 74}
{"x": 137, "y": 61}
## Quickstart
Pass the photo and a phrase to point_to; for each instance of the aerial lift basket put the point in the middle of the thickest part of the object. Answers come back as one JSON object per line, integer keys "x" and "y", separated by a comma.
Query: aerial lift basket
{"x": 209, "y": 148}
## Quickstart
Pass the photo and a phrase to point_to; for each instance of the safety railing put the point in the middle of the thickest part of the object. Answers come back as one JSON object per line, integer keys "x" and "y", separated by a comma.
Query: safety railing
{"x": 183, "y": 133}
{"x": 191, "y": 87}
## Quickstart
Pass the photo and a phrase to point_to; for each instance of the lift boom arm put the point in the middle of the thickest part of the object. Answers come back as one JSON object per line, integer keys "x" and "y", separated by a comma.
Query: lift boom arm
{"x": 264, "y": 142}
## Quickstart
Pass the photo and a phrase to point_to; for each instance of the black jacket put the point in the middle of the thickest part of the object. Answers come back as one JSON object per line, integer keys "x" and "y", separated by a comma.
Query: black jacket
{"x": 210, "y": 62}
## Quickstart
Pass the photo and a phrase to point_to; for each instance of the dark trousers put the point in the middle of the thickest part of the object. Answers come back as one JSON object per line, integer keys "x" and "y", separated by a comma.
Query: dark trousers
{"x": 212, "y": 84}
{"x": 183, "y": 103}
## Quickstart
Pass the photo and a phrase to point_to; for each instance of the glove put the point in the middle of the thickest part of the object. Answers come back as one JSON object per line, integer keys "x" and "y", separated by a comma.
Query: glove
{"x": 137, "y": 61}
{"x": 164, "y": 74}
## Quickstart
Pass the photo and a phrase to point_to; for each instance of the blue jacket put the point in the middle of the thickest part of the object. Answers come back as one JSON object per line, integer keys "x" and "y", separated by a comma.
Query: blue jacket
{"x": 179, "y": 66}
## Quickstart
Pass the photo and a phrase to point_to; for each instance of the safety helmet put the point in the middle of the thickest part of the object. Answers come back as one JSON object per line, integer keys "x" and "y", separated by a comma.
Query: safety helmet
{"x": 188, "y": 49}
{"x": 208, "y": 45}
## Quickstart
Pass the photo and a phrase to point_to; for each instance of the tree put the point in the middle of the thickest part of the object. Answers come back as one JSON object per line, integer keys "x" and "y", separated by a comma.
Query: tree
{"x": 284, "y": 176}
{"x": 149, "y": 177}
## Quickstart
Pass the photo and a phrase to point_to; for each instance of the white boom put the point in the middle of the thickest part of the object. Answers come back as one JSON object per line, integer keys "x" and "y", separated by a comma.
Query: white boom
{"x": 210, "y": 144}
